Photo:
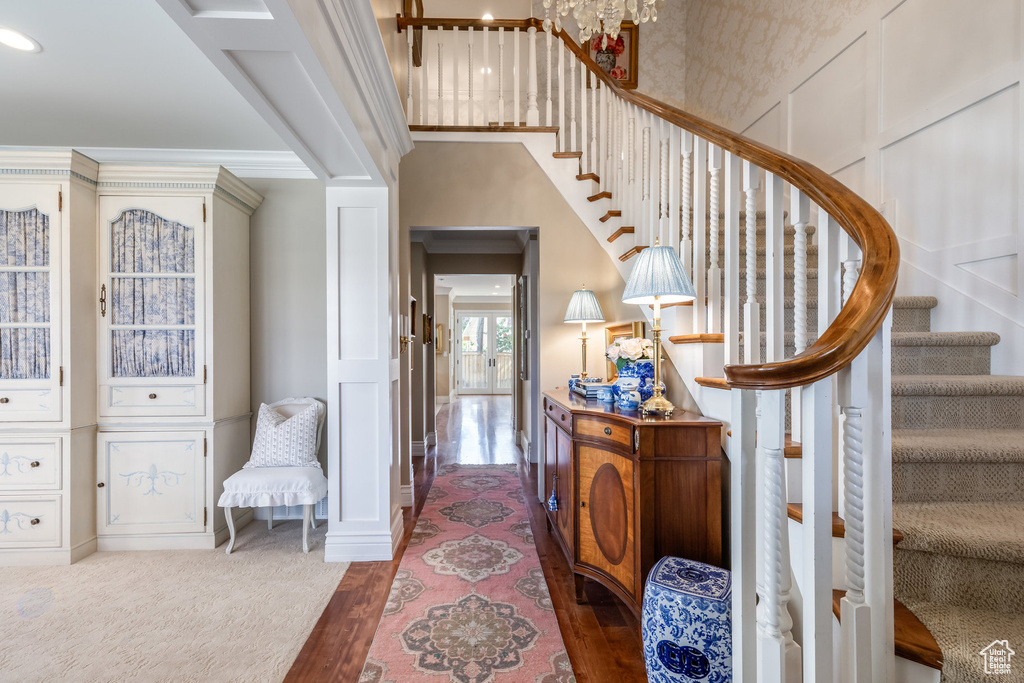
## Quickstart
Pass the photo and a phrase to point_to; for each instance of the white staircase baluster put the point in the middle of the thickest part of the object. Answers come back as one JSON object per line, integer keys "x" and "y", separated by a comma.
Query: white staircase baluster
{"x": 571, "y": 94}
{"x": 645, "y": 170}
{"x": 563, "y": 128}
{"x": 751, "y": 307}
{"x": 714, "y": 271}
{"x": 672, "y": 159}
{"x": 816, "y": 439}
{"x": 485, "y": 71}
{"x": 408, "y": 76}
{"x": 685, "y": 211}
{"x": 744, "y": 512}
{"x": 731, "y": 322}
{"x": 595, "y": 157}
{"x": 517, "y": 117}
{"x": 663, "y": 202}
{"x": 800, "y": 215}
{"x": 532, "y": 113}
{"x": 470, "y": 79}
{"x": 425, "y": 118}
{"x": 829, "y": 272}
{"x": 774, "y": 270}
{"x": 629, "y": 214}
{"x": 584, "y": 140}
{"x": 456, "y": 98}
{"x": 440, "y": 77}
{"x": 549, "y": 75}
{"x": 501, "y": 75}
{"x": 699, "y": 234}
{"x": 771, "y": 640}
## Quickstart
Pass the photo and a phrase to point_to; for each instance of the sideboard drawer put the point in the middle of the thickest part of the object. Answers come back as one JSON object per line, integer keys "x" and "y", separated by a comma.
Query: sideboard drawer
{"x": 177, "y": 399}
{"x": 29, "y": 463}
{"x": 609, "y": 432}
{"x": 558, "y": 415}
{"x": 29, "y": 521}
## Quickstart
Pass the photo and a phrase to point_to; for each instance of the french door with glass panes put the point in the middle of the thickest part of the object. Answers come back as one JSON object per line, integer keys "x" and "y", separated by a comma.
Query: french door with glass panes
{"x": 484, "y": 358}
{"x": 152, "y": 309}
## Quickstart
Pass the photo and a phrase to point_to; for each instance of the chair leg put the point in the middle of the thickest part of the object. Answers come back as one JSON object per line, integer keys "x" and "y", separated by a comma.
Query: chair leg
{"x": 231, "y": 530}
{"x": 270, "y": 518}
{"x": 307, "y": 512}
{"x": 312, "y": 518}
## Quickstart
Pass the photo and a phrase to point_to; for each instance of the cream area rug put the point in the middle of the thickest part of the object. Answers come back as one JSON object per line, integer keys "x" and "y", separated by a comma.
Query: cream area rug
{"x": 175, "y": 615}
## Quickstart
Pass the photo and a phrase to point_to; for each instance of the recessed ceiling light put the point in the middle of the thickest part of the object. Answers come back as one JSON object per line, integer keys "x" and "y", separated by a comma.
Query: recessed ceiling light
{"x": 497, "y": 286}
{"x": 18, "y": 40}
{"x": 488, "y": 17}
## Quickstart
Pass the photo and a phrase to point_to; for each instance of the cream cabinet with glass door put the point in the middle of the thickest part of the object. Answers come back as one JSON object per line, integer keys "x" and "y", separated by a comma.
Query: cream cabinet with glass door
{"x": 48, "y": 249}
{"x": 173, "y": 360}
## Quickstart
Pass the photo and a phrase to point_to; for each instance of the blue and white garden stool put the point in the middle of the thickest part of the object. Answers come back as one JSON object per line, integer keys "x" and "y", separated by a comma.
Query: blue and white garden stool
{"x": 687, "y": 622}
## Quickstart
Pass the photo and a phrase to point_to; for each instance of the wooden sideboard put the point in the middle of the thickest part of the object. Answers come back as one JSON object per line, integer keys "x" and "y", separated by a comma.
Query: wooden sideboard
{"x": 630, "y": 490}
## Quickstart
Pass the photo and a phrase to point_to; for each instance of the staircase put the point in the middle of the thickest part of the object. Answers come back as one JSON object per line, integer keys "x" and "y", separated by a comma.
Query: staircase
{"x": 788, "y": 329}
{"x": 958, "y": 489}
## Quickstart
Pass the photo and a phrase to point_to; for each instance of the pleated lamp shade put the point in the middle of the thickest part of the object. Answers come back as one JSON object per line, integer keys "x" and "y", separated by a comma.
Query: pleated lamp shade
{"x": 658, "y": 273}
{"x": 584, "y": 308}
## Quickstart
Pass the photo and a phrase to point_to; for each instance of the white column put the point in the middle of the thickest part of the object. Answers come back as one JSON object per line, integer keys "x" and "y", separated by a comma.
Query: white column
{"x": 532, "y": 113}
{"x": 362, "y": 375}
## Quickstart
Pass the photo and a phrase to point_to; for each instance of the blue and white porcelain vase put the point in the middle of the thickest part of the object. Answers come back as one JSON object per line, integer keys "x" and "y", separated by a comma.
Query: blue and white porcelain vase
{"x": 643, "y": 371}
{"x": 687, "y": 622}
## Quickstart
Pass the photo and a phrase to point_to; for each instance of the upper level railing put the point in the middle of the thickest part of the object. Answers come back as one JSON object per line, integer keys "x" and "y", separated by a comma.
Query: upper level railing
{"x": 805, "y": 337}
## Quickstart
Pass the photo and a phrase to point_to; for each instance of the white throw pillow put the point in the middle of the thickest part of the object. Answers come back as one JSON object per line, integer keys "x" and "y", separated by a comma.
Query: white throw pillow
{"x": 284, "y": 441}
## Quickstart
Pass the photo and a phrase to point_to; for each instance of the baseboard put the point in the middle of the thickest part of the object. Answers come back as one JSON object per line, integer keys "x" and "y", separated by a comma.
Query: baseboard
{"x": 376, "y": 546}
{"x": 83, "y": 549}
{"x": 441, "y": 400}
{"x": 407, "y": 498}
{"x": 431, "y": 439}
{"x": 418, "y": 449}
{"x": 524, "y": 443}
{"x": 204, "y": 541}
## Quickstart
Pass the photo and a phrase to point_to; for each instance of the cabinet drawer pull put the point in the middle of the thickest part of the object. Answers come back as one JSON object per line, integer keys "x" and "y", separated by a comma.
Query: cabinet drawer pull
{"x": 152, "y": 395}
{"x": 563, "y": 418}
{"x": 5, "y": 400}
{"x": 34, "y": 521}
{"x": 34, "y": 463}
{"x": 100, "y": 485}
{"x": 607, "y": 431}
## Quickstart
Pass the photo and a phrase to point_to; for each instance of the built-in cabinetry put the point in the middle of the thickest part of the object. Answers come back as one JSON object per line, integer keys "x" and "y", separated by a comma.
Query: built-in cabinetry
{"x": 629, "y": 491}
{"x": 124, "y": 354}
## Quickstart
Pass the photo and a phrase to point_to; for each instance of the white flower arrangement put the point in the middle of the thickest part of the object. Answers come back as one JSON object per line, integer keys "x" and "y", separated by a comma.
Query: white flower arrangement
{"x": 626, "y": 351}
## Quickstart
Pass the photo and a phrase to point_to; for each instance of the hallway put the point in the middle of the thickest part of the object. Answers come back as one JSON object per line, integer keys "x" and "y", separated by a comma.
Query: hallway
{"x": 601, "y": 637}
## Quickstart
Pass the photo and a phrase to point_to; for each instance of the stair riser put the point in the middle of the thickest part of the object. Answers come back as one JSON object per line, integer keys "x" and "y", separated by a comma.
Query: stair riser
{"x": 958, "y": 581}
{"x": 958, "y": 412}
{"x": 921, "y": 482}
{"x": 941, "y": 360}
{"x": 911, "y": 320}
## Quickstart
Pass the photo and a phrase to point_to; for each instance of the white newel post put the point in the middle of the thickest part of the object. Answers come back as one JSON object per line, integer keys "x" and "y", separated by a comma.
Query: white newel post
{"x": 532, "y": 113}
{"x": 362, "y": 369}
{"x": 771, "y": 642}
{"x": 743, "y": 477}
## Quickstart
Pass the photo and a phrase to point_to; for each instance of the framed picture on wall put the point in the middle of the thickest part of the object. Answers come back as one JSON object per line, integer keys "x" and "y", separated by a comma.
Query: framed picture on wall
{"x": 618, "y": 56}
{"x": 524, "y": 331}
{"x": 428, "y": 329}
{"x": 617, "y": 332}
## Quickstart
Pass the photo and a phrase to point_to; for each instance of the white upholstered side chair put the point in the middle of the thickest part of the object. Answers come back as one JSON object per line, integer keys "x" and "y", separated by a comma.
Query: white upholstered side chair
{"x": 269, "y": 487}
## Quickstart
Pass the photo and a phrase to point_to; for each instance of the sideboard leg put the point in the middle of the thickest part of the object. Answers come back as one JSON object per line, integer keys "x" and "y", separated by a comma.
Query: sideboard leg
{"x": 581, "y": 595}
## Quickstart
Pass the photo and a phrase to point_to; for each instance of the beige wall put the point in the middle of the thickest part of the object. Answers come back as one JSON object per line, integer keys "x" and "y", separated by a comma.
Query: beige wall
{"x": 467, "y": 184}
{"x": 442, "y": 373}
{"x": 288, "y": 292}
{"x": 417, "y": 273}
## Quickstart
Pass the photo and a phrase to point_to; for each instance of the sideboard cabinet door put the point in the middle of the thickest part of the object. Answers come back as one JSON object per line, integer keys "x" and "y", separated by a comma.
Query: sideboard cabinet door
{"x": 153, "y": 482}
{"x": 565, "y": 494}
{"x": 607, "y": 514}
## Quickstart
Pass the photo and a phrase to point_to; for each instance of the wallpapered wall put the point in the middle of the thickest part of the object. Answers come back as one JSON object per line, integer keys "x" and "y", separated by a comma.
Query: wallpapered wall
{"x": 737, "y": 51}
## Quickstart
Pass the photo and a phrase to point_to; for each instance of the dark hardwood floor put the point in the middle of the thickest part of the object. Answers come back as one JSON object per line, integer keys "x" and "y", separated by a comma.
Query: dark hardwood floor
{"x": 602, "y": 637}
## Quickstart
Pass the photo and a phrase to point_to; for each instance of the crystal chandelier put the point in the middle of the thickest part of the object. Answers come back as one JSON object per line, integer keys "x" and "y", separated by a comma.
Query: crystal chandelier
{"x": 597, "y": 17}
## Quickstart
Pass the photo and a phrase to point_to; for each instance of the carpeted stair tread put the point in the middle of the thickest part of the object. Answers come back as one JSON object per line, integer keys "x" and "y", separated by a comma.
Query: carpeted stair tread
{"x": 958, "y": 445}
{"x": 983, "y": 531}
{"x": 903, "y": 302}
{"x": 957, "y": 385}
{"x": 945, "y": 338}
{"x": 962, "y": 634}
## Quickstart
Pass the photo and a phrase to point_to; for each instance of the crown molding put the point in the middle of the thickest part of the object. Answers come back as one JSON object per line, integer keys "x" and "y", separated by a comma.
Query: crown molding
{"x": 242, "y": 163}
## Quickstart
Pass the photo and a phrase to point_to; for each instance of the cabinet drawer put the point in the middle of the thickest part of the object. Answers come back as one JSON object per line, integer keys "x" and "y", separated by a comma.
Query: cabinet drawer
{"x": 154, "y": 399}
{"x": 610, "y": 432}
{"x": 28, "y": 404}
{"x": 29, "y": 521}
{"x": 558, "y": 415}
{"x": 30, "y": 464}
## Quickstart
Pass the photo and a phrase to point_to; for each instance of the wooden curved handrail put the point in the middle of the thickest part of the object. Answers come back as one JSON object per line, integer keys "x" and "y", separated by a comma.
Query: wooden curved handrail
{"x": 869, "y": 302}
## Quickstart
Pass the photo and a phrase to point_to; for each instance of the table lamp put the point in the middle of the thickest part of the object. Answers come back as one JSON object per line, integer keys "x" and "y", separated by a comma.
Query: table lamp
{"x": 584, "y": 308}
{"x": 658, "y": 278}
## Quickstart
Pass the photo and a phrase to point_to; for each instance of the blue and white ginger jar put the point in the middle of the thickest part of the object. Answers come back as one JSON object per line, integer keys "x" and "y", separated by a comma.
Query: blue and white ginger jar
{"x": 641, "y": 370}
{"x": 687, "y": 622}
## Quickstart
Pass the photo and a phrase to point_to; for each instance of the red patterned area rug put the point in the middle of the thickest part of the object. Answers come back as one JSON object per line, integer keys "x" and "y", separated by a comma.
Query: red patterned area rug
{"x": 469, "y": 603}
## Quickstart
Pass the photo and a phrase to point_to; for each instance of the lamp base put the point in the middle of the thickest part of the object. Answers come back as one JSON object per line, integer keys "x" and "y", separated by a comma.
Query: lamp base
{"x": 657, "y": 405}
